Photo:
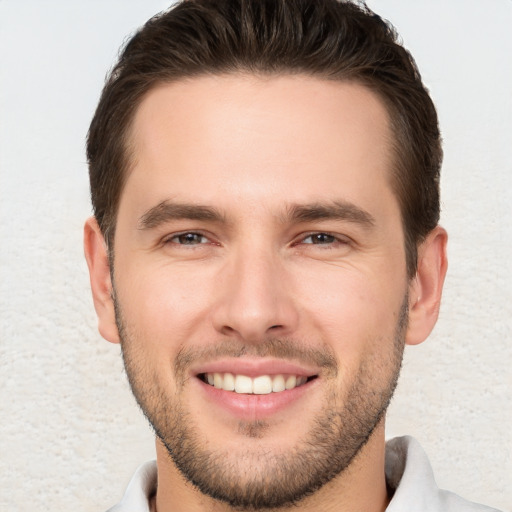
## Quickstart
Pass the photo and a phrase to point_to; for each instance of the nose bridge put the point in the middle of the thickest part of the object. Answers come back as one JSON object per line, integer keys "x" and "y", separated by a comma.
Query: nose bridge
{"x": 255, "y": 297}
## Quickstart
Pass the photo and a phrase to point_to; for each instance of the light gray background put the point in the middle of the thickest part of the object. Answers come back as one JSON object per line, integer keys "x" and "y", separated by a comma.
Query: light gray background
{"x": 70, "y": 433}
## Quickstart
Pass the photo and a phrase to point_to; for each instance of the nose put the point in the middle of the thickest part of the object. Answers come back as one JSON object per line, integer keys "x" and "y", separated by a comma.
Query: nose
{"x": 255, "y": 300}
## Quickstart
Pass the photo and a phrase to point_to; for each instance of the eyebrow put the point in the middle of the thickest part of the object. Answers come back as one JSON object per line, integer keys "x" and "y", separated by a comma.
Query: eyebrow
{"x": 167, "y": 211}
{"x": 336, "y": 210}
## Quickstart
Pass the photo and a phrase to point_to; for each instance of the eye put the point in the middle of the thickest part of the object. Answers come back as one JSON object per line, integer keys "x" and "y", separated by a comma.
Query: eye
{"x": 188, "y": 239}
{"x": 320, "y": 239}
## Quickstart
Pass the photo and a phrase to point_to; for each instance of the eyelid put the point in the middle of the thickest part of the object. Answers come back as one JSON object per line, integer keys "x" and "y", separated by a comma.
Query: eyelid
{"x": 169, "y": 237}
{"x": 338, "y": 238}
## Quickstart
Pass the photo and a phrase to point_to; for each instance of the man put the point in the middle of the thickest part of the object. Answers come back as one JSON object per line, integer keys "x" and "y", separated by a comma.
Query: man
{"x": 265, "y": 241}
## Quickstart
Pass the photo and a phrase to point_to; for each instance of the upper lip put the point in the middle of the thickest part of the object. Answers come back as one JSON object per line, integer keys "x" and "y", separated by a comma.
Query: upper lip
{"x": 254, "y": 367}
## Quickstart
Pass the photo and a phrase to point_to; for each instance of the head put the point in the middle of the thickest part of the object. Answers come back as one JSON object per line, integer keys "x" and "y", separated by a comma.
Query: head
{"x": 328, "y": 39}
{"x": 265, "y": 187}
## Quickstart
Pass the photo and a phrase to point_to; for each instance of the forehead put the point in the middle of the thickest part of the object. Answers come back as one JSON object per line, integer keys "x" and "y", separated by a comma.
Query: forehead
{"x": 255, "y": 137}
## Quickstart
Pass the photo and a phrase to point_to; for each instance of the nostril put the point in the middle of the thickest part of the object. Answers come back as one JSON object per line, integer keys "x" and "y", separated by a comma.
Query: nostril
{"x": 228, "y": 330}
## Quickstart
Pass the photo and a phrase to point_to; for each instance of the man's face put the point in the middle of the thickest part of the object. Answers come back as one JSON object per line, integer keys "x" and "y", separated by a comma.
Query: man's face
{"x": 259, "y": 245}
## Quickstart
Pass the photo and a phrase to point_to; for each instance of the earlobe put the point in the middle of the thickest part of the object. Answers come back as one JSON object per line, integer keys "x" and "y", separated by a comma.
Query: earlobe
{"x": 426, "y": 287}
{"x": 101, "y": 285}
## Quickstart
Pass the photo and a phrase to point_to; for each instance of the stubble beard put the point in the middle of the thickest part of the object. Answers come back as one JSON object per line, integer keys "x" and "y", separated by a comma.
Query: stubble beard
{"x": 258, "y": 479}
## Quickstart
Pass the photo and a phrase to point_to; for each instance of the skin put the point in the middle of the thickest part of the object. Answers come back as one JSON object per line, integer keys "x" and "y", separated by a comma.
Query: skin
{"x": 254, "y": 149}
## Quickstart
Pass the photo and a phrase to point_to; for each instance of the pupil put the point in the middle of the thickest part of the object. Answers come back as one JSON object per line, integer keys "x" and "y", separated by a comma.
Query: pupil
{"x": 323, "y": 238}
{"x": 189, "y": 238}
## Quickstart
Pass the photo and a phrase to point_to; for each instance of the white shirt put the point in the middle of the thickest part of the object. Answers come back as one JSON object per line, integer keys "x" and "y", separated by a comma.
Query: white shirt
{"x": 408, "y": 472}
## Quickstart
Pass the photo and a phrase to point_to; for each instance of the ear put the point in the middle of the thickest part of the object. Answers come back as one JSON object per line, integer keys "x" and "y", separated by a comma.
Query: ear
{"x": 426, "y": 287}
{"x": 96, "y": 255}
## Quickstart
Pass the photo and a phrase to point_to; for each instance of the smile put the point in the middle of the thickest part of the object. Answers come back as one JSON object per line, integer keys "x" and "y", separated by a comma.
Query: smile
{"x": 260, "y": 385}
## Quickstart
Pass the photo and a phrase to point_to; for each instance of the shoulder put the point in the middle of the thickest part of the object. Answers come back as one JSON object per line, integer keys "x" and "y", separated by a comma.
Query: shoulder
{"x": 140, "y": 489}
{"x": 409, "y": 475}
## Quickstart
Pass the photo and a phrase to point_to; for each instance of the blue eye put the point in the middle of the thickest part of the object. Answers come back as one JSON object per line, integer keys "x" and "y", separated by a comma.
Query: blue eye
{"x": 189, "y": 239}
{"x": 320, "y": 239}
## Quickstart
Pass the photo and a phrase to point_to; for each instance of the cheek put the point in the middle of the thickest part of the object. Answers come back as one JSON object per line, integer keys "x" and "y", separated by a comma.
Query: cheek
{"x": 164, "y": 305}
{"x": 355, "y": 311}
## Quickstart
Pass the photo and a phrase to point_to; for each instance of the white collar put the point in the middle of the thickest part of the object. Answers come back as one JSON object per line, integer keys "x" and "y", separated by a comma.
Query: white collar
{"x": 408, "y": 474}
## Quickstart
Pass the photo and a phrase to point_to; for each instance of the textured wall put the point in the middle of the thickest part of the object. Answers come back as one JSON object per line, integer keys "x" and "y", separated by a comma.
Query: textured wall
{"x": 70, "y": 433}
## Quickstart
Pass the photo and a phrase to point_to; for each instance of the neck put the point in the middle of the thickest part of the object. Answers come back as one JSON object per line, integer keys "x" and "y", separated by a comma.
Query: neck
{"x": 361, "y": 487}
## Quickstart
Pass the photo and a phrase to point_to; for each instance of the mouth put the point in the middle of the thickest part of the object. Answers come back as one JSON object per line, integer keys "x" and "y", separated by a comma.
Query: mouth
{"x": 255, "y": 388}
{"x": 258, "y": 385}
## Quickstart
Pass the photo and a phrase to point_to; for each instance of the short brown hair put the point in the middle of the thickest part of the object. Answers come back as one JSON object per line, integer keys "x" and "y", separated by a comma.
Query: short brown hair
{"x": 329, "y": 39}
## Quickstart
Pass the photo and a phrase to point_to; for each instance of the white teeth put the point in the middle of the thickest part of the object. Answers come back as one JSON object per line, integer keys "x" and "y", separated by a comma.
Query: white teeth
{"x": 291, "y": 382}
{"x": 278, "y": 384}
{"x": 217, "y": 380}
{"x": 229, "y": 382}
{"x": 243, "y": 384}
{"x": 261, "y": 385}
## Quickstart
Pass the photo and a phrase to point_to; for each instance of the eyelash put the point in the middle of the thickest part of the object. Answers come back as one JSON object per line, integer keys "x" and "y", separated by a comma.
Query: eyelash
{"x": 333, "y": 242}
{"x": 185, "y": 234}
{"x": 331, "y": 239}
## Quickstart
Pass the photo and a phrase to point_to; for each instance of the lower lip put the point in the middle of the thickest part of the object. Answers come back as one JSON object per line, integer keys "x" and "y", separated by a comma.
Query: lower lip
{"x": 251, "y": 407}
